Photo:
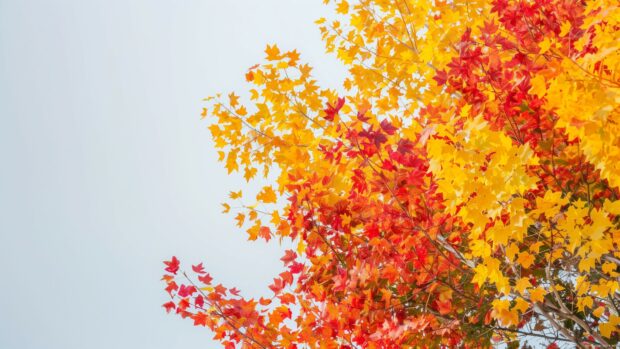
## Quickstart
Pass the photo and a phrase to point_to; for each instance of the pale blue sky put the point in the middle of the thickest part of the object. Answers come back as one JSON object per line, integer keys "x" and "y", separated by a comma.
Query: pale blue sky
{"x": 107, "y": 169}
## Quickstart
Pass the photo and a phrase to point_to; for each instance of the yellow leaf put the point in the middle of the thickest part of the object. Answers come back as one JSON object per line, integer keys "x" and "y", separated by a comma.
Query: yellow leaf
{"x": 525, "y": 259}
{"x": 501, "y": 304}
{"x": 233, "y": 99}
{"x": 584, "y": 302}
{"x": 343, "y": 7}
{"x": 275, "y": 218}
{"x": 558, "y": 287}
{"x": 598, "y": 311}
{"x": 240, "y": 217}
{"x": 538, "y": 86}
{"x": 522, "y": 285}
{"x": 253, "y": 231}
{"x": 235, "y": 195}
{"x": 226, "y": 208}
{"x": 231, "y": 162}
{"x": 502, "y": 313}
{"x": 267, "y": 195}
{"x": 537, "y": 295}
{"x": 581, "y": 42}
{"x": 586, "y": 264}
{"x": 249, "y": 173}
{"x": 511, "y": 251}
{"x": 535, "y": 248}
{"x": 273, "y": 53}
{"x": 565, "y": 28}
{"x": 480, "y": 274}
{"x": 609, "y": 327}
{"x": 606, "y": 329}
{"x": 608, "y": 267}
{"x": 301, "y": 247}
{"x": 521, "y": 305}
{"x": 544, "y": 45}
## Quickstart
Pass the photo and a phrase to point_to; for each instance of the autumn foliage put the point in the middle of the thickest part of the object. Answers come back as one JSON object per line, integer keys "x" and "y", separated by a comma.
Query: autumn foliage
{"x": 459, "y": 190}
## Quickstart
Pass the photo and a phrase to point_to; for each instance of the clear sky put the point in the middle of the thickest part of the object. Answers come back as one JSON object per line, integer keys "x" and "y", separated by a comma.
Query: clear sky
{"x": 107, "y": 169}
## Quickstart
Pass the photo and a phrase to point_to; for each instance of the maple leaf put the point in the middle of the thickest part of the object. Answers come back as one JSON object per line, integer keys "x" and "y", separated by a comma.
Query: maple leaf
{"x": 361, "y": 116}
{"x": 522, "y": 285}
{"x": 441, "y": 77}
{"x": 171, "y": 287}
{"x": 233, "y": 99}
{"x": 331, "y": 111}
{"x": 199, "y": 269}
{"x": 287, "y": 298}
{"x": 240, "y": 218}
{"x": 199, "y": 301}
{"x": 289, "y": 256}
{"x": 273, "y": 52}
{"x": 219, "y": 289}
{"x": 296, "y": 267}
{"x": 265, "y": 233}
{"x": 277, "y": 285}
{"x": 266, "y": 195}
{"x": 444, "y": 307}
{"x": 172, "y": 266}
{"x": 525, "y": 259}
{"x": 388, "y": 127}
{"x": 185, "y": 290}
{"x": 205, "y": 279}
{"x": 235, "y": 195}
{"x": 343, "y": 7}
{"x": 200, "y": 319}
{"x": 537, "y": 295}
{"x": 169, "y": 306}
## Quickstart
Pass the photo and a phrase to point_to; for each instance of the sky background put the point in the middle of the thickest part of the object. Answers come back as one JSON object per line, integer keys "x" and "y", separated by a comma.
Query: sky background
{"x": 107, "y": 168}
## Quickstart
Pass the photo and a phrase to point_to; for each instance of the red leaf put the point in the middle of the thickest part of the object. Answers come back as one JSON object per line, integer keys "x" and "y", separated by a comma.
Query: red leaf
{"x": 287, "y": 298}
{"x": 199, "y": 301}
{"x": 185, "y": 291}
{"x": 200, "y": 319}
{"x": 277, "y": 285}
{"x": 172, "y": 286}
{"x": 205, "y": 279}
{"x": 388, "y": 127}
{"x": 296, "y": 267}
{"x": 198, "y": 269}
{"x": 441, "y": 77}
{"x": 289, "y": 256}
{"x": 489, "y": 28}
{"x": 169, "y": 306}
{"x": 172, "y": 266}
{"x": 219, "y": 289}
{"x": 361, "y": 116}
{"x": 183, "y": 304}
{"x": 331, "y": 111}
{"x": 264, "y": 301}
{"x": 265, "y": 233}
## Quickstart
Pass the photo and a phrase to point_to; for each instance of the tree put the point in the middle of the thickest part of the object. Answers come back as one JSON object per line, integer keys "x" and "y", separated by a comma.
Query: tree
{"x": 461, "y": 189}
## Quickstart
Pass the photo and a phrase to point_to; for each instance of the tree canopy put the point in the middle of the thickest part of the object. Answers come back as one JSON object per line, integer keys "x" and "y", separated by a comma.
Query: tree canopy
{"x": 460, "y": 190}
